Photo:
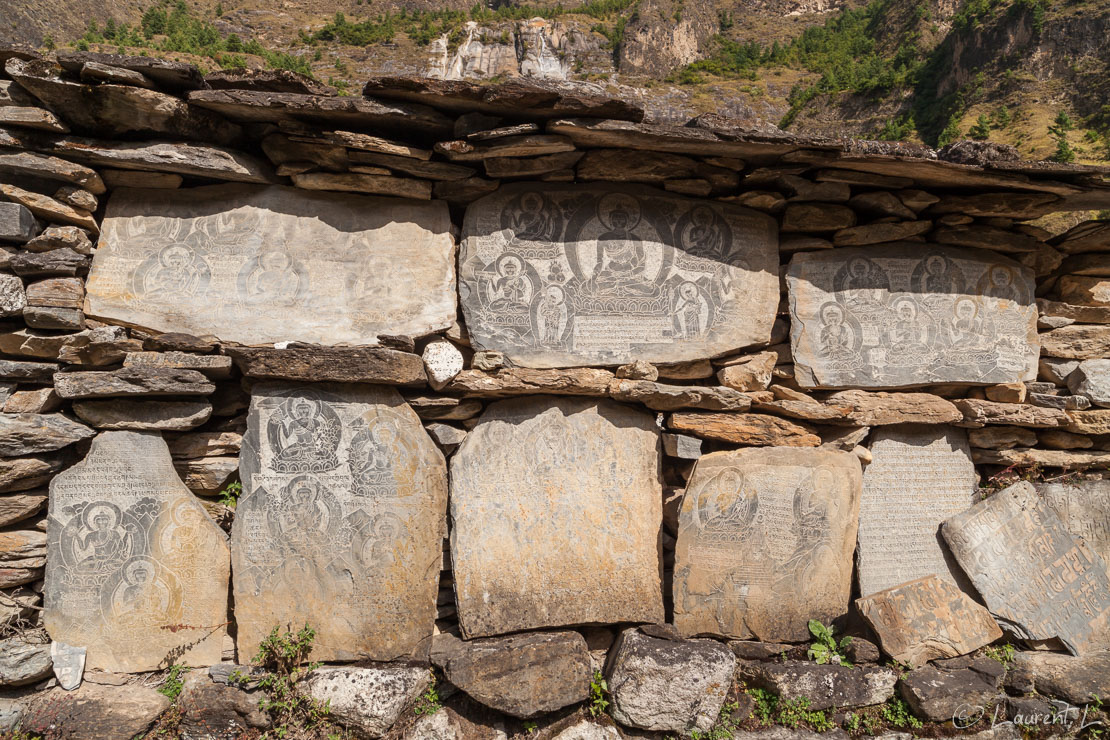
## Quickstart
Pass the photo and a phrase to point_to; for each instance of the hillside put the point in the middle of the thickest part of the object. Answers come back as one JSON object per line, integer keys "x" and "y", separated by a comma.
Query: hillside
{"x": 1031, "y": 73}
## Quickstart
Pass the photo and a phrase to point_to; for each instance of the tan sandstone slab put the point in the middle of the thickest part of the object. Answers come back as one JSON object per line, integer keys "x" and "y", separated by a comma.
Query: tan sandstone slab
{"x": 1038, "y": 581}
{"x": 341, "y": 523}
{"x": 919, "y": 476}
{"x": 556, "y": 506}
{"x": 137, "y": 572}
{"x": 262, "y": 265}
{"x": 565, "y": 275}
{"x": 910, "y": 316}
{"x": 765, "y": 542}
{"x": 927, "y": 619}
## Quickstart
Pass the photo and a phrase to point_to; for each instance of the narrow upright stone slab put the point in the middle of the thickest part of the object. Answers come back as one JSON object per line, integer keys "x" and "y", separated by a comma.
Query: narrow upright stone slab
{"x": 556, "y": 506}
{"x": 263, "y": 265}
{"x": 565, "y": 275}
{"x": 919, "y": 476}
{"x": 909, "y": 315}
{"x": 927, "y": 619}
{"x": 1084, "y": 508}
{"x": 765, "y": 542}
{"x": 1038, "y": 581}
{"x": 136, "y": 573}
{"x": 341, "y": 523}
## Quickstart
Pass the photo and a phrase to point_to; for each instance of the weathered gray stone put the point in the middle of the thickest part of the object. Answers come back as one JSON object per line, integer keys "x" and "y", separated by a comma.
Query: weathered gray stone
{"x": 57, "y": 262}
{"x": 521, "y": 675}
{"x": 26, "y": 434}
{"x": 902, "y": 318}
{"x": 1077, "y": 680}
{"x": 258, "y": 266}
{"x": 765, "y": 542}
{"x": 24, "y": 473}
{"x": 65, "y": 319}
{"x": 69, "y": 664}
{"x": 76, "y": 197}
{"x": 1076, "y": 342}
{"x": 925, "y": 619}
{"x": 95, "y": 712}
{"x": 682, "y": 446}
{"x": 939, "y": 695}
{"x": 669, "y": 686}
{"x": 144, "y": 415}
{"x": 12, "y": 297}
{"x": 979, "y": 412}
{"x": 104, "y": 345}
{"x": 313, "y": 364}
{"x": 17, "y": 224}
{"x": 217, "y": 367}
{"x": 131, "y": 382}
{"x": 1037, "y": 580}
{"x": 368, "y": 700}
{"x": 23, "y": 662}
{"x": 663, "y": 397}
{"x": 29, "y": 164}
{"x": 919, "y": 476}
{"x": 132, "y": 555}
{"x": 19, "y": 506}
{"x": 1084, "y": 508}
{"x": 171, "y": 75}
{"x": 565, "y": 275}
{"x": 28, "y": 372}
{"x": 341, "y": 521}
{"x": 211, "y": 710}
{"x": 1092, "y": 379}
{"x": 97, "y": 72}
{"x": 205, "y": 444}
{"x": 583, "y": 475}
{"x": 825, "y": 686}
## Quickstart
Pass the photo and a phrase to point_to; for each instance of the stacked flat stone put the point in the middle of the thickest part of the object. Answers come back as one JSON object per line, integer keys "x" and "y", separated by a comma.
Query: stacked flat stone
{"x": 466, "y": 349}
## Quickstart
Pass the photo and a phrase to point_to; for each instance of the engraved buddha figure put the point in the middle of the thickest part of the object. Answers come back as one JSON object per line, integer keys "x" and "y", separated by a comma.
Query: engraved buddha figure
{"x": 703, "y": 237}
{"x": 907, "y": 336}
{"x": 689, "y": 309}
{"x": 835, "y": 338}
{"x": 938, "y": 278}
{"x": 533, "y": 222}
{"x": 967, "y": 328}
{"x": 143, "y": 596}
{"x": 622, "y": 258}
{"x": 511, "y": 287}
{"x": 862, "y": 283}
{"x": 304, "y": 516}
{"x": 296, "y": 431}
{"x": 105, "y": 542}
{"x": 273, "y": 279}
{"x": 380, "y": 451}
{"x": 176, "y": 275}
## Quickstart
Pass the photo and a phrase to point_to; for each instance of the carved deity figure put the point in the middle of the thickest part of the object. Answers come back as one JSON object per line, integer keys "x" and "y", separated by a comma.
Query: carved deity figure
{"x": 551, "y": 314}
{"x": 511, "y": 287}
{"x": 835, "y": 338}
{"x": 907, "y": 336}
{"x": 534, "y": 220}
{"x": 105, "y": 542}
{"x": 689, "y": 309}
{"x": 273, "y": 280}
{"x": 303, "y": 434}
{"x": 967, "y": 327}
{"x": 622, "y": 258}
{"x": 176, "y": 275}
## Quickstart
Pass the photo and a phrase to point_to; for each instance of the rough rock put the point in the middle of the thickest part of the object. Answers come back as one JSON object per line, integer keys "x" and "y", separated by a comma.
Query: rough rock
{"x": 27, "y": 434}
{"x": 745, "y": 429}
{"x": 578, "y": 381}
{"x": 978, "y": 413}
{"x": 863, "y": 408}
{"x": 825, "y": 686}
{"x": 938, "y": 695}
{"x": 95, "y": 712}
{"x": 1076, "y": 342}
{"x": 22, "y": 662}
{"x": 1092, "y": 379}
{"x": 1077, "y": 680}
{"x": 12, "y": 297}
{"x": 926, "y": 619}
{"x": 442, "y": 361}
{"x": 314, "y": 364}
{"x": 663, "y": 397}
{"x": 216, "y": 367}
{"x": 583, "y": 473}
{"x": 49, "y": 209}
{"x": 17, "y": 223}
{"x": 751, "y": 373}
{"x": 131, "y": 382}
{"x": 1001, "y": 438}
{"x": 44, "y": 166}
{"x": 668, "y": 686}
{"x": 16, "y": 507}
{"x": 521, "y": 675}
{"x": 24, "y": 473}
{"x": 367, "y": 700}
{"x": 57, "y": 262}
{"x": 765, "y": 543}
{"x": 211, "y": 710}
{"x": 171, "y": 75}
{"x": 140, "y": 415}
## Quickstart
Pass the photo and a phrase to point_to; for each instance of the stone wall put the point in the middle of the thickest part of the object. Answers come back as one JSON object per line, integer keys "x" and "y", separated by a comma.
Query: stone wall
{"x": 503, "y": 381}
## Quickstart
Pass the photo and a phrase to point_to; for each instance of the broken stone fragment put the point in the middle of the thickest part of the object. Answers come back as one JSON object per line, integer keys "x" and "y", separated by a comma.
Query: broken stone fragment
{"x": 132, "y": 382}
{"x": 331, "y": 364}
{"x": 744, "y": 429}
{"x": 142, "y": 415}
{"x": 28, "y": 434}
{"x": 17, "y": 223}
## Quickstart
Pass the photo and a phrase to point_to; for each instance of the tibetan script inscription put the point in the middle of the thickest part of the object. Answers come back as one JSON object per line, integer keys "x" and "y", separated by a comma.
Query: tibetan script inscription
{"x": 137, "y": 573}
{"x": 341, "y": 523}
{"x": 765, "y": 542}
{"x": 1038, "y": 581}
{"x": 556, "y": 507}
{"x": 911, "y": 315}
{"x": 927, "y": 619}
{"x": 259, "y": 265}
{"x": 1084, "y": 508}
{"x": 565, "y": 275}
{"x": 919, "y": 476}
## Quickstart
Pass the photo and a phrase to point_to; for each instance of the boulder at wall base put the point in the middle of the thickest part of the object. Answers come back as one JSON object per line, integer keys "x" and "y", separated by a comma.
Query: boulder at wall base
{"x": 1078, "y": 680}
{"x": 667, "y": 685}
{"x": 212, "y": 711}
{"x": 367, "y": 700}
{"x": 23, "y": 662}
{"x": 94, "y": 712}
{"x": 824, "y": 686}
{"x": 937, "y": 693}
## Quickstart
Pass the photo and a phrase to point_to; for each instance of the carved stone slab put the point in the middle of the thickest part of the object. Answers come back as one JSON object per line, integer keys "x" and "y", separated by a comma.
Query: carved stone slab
{"x": 341, "y": 523}
{"x": 1084, "y": 508}
{"x": 910, "y": 315}
{"x": 919, "y": 476}
{"x": 556, "y": 506}
{"x": 1038, "y": 581}
{"x": 136, "y": 572}
{"x": 262, "y": 265}
{"x": 564, "y": 275}
{"x": 927, "y": 619}
{"x": 765, "y": 542}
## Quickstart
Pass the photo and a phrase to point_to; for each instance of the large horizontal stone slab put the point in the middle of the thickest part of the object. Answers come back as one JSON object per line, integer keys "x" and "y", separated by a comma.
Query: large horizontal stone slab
{"x": 513, "y": 381}
{"x": 132, "y": 382}
{"x": 149, "y": 415}
{"x": 560, "y": 492}
{"x": 907, "y": 316}
{"x": 565, "y": 275}
{"x": 745, "y": 429}
{"x": 765, "y": 543}
{"x": 313, "y": 364}
{"x": 919, "y": 476}
{"x": 341, "y": 522}
{"x": 168, "y": 74}
{"x": 137, "y": 572}
{"x": 26, "y": 434}
{"x": 264, "y": 265}
{"x": 51, "y": 168}
{"x": 1038, "y": 581}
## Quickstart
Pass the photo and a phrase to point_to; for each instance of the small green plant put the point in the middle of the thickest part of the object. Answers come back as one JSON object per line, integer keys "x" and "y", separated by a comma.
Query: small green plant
{"x": 428, "y": 702}
{"x": 530, "y": 727}
{"x": 724, "y": 726}
{"x": 1004, "y": 654}
{"x": 797, "y": 712}
{"x": 766, "y": 704}
{"x": 982, "y": 128}
{"x": 897, "y": 712}
{"x": 599, "y": 693}
{"x": 229, "y": 497}
{"x": 175, "y": 681}
{"x": 825, "y": 648}
{"x": 283, "y": 656}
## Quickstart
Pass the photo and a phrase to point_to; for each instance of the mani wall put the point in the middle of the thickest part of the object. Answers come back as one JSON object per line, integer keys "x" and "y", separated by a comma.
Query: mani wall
{"x": 520, "y": 386}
